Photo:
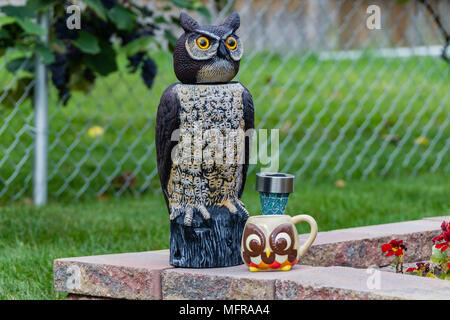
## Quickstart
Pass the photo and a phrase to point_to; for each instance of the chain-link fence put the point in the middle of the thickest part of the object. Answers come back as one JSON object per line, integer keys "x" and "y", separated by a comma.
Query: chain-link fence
{"x": 350, "y": 102}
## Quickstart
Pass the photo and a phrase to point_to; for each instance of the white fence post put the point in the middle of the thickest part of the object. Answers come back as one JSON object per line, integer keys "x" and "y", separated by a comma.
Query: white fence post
{"x": 41, "y": 122}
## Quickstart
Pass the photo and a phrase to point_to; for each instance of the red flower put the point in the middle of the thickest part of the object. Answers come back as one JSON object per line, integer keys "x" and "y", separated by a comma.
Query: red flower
{"x": 420, "y": 267}
{"x": 387, "y": 248}
{"x": 394, "y": 247}
{"x": 442, "y": 241}
{"x": 443, "y": 246}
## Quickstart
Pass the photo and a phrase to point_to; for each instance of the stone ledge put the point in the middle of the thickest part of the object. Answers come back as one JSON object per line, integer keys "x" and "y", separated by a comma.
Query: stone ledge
{"x": 73, "y": 296}
{"x": 301, "y": 283}
{"x": 148, "y": 275}
{"x": 123, "y": 276}
{"x": 220, "y": 283}
{"x": 360, "y": 247}
{"x": 439, "y": 219}
{"x": 344, "y": 283}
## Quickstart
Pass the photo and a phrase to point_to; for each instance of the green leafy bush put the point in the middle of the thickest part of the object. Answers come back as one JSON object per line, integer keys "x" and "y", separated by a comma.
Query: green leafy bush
{"x": 76, "y": 57}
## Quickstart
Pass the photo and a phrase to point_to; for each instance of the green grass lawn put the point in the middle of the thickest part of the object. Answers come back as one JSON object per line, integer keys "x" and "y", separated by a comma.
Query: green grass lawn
{"x": 31, "y": 238}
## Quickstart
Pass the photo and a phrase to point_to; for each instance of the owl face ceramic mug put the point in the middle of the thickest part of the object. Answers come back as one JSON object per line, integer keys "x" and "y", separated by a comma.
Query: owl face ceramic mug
{"x": 271, "y": 242}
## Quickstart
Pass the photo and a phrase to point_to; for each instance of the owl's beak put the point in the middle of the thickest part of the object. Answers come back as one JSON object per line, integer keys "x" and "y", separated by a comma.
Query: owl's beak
{"x": 222, "y": 50}
{"x": 268, "y": 252}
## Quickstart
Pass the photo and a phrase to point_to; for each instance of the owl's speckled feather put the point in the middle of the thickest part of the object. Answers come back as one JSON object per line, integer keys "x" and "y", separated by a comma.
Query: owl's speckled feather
{"x": 198, "y": 186}
{"x": 206, "y": 183}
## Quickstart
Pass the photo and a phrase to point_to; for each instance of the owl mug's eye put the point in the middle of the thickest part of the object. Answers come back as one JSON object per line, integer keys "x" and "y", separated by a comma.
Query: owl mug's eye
{"x": 231, "y": 43}
{"x": 282, "y": 241}
{"x": 253, "y": 242}
{"x": 203, "y": 43}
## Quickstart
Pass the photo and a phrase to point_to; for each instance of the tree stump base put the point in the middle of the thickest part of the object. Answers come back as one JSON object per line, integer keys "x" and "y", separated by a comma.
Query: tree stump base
{"x": 211, "y": 243}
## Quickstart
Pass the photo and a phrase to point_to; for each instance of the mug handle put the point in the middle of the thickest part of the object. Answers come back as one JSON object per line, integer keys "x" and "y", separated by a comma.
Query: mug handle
{"x": 312, "y": 235}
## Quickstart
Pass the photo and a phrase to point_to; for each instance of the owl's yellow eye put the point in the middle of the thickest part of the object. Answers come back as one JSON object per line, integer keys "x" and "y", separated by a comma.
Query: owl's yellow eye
{"x": 231, "y": 43}
{"x": 203, "y": 43}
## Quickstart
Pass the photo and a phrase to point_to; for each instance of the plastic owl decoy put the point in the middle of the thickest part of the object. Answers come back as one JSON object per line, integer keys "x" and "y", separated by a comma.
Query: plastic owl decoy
{"x": 202, "y": 162}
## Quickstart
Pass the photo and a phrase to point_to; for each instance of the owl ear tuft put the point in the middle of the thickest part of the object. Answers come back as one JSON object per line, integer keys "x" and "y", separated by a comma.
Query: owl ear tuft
{"x": 233, "y": 21}
{"x": 188, "y": 23}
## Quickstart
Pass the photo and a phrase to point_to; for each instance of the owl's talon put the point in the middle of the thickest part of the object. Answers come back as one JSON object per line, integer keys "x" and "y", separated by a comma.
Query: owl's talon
{"x": 253, "y": 269}
{"x": 204, "y": 212}
{"x": 230, "y": 206}
{"x": 241, "y": 205}
{"x": 188, "y": 212}
{"x": 188, "y": 216}
{"x": 174, "y": 212}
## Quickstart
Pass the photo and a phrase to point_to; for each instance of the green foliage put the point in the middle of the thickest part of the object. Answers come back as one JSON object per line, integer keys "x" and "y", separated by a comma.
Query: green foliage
{"x": 445, "y": 276}
{"x": 123, "y": 18}
{"x": 87, "y": 43}
{"x": 438, "y": 257}
{"x": 98, "y": 7}
{"x": 108, "y": 28}
{"x": 440, "y": 254}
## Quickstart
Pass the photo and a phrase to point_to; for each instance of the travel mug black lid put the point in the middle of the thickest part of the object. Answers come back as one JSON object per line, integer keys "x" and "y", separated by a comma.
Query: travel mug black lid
{"x": 274, "y": 182}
